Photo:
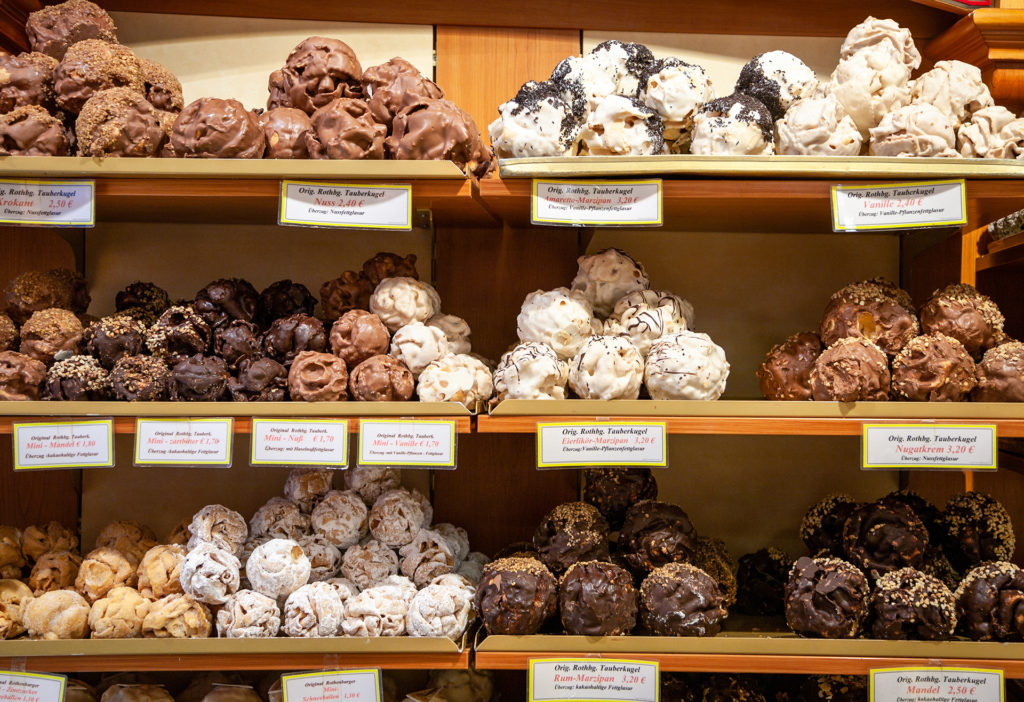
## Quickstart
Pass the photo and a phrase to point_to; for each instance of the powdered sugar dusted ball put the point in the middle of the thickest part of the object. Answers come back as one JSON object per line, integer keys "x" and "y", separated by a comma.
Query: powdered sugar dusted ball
{"x": 417, "y": 345}
{"x": 456, "y": 378}
{"x": 472, "y": 568}
{"x": 778, "y": 79}
{"x": 440, "y": 610}
{"x": 399, "y": 301}
{"x": 428, "y": 509}
{"x": 324, "y": 557}
{"x": 248, "y": 615}
{"x": 224, "y": 528}
{"x": 531, "y": 371}
{"x": 396, "y": 517}
{"x": 686, "y": 366}
{"x": 314, "y": 610}
{"x": 607, "y": 368}
{"x": 119, "y": 615}
{"x": 368, "y": 564}
{"x": 457, "y": 538}
{"x": 305, "y": 486}
{"x": 377, "y": 611}
{"x": 340, "y": 517}
{"x": 210, "y": 574}
{"x": 560, "y": 318}
{"x": 371, "y": 481}
{"x": 606, "y": 276}
{"x": 277, "y": 568}
{"x": 159, "y": 571}
{"x": 345, "y": 587}
{"x": 456, "y": 329}
{"x": 279, "y": 518}
{"x": 427, "y": 556}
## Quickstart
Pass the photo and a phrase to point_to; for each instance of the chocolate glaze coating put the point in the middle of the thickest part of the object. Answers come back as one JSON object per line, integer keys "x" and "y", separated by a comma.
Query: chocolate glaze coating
{"x": 868, "y": 311}
{"x": 520, "y": 548}
{"x": 1000, "y": 374}
{"x": 259, "y": 380}
{"x": 761, "y": 582}
{"x": 317, "y": 377}
{"x": 977, "y": 529}
{"x": 215, "y": 128}
{"x": 8, "y": 333}
{"x": 119, "y": 122}
{"x": 385, "y": 264}
{"x": 285, "y": 130}
{"x": 178, "y": 334}
{"x": 597, "y": 599}
{"x": 515, "y": 596}
{"x": 571, "y": 532}
{"x": 614, "y": 490}
{"x": 679, "y": 599}
{"x": 113, "y": 337}
{"x": 199, "y": 378}
{"x": 925, "y": 511}
{"x": 381, "y": 379}
{"x": 21, "y": 376}
{"x": 289, "y": 336}
{"x": 933, "y": 368}
{"x": 851, "y": 370}
{"x": 908, "y": 604}
{"x": 53, "y": 29}
{"x": 317, "y": 71}
{"x": 350, "y": 290}
{"x": 732, "y": 688}
{"x": 141, "y": 294}
{"x": 785, "y": 373}
{"x": 163, "y": 89}
{"x": 884, "y": 536}
{"x": 226, "y": 299}
{"x": 822, "y": 527}
{"x": 91, "y": 66}
{"x": 826, "y": 598}
{"x": 345, "y": 129}
{"x": 655, "y": 533}
{"x": 439, "y": 130}
{"x": 833, "y": 688}
{"x": 32, "y": 131}
{"x": 283, "y": 298}
{"x": 49, "y": 332}
{"x": 140, "y": 379}
{"x": 990, "y": 603}
{"x": 359, "y": 335}
{"x": 236, "y": 341}
{"x": 33, "y": 291}
{"x": 714, "y": 559}
{"x": 77, "y": 378}
{"x": 26, "y": 79}
{"x": 80, "y": 297}
{"x": 960, "y": 311}
{"x": 393, "y": 86}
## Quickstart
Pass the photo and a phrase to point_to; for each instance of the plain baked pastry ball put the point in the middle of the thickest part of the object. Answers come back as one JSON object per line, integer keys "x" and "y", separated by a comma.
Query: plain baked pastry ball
{"x": 306, "y": 486}
{"x": 159, "y": 571}
{"x": 119, "y": 615}
{"x": 14, "y": 595}
{"x": 369, "y": 563}
{"x": 102, "y": 570}
{"x": 178, "y": 617}
{"x": 52, "y": 536}
{"x": 279, "y": 518}
{"x": 136, "y": 693}
{"x": 396, "y": 518}
{"x": 61, "y": 614}
{"x": 55, "y": 570}
{"x": 426, "y": 557}
{"x": 324, "y": 557}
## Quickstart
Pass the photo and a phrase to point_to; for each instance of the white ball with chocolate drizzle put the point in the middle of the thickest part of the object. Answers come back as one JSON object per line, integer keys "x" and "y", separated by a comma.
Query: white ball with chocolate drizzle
{"x": 778, "y": 79}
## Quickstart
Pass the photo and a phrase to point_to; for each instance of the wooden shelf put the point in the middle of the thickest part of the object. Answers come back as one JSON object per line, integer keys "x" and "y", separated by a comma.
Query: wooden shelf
{"x": 1003, "y": 253}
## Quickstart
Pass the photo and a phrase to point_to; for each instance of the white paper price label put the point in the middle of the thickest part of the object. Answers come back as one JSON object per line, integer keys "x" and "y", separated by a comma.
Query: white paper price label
{"x": 899, "y": 206}
{"x": 332, "y": 686}
{"x": 349, "y": 206}
{"x": 48, "y": 203}
{"x": 627, "y": 203}
{"x": 593, "y": 679}
{"x": 198, "y": 441}
{"x": 578, "y": 444}
{"x": 928, "y": 447}
{"x": 936, "y": 685}
{"x": 31, "y": 687}
{"x": 412, "y": 443}
{"x": 77, "y": 444}
{"x": 288, "y": 442}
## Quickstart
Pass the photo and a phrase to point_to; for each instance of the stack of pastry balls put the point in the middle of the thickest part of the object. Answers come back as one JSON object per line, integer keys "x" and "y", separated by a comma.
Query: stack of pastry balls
{"x": 877, "y": 348}
{"x": 620, "y": 100}
{"x": 317, "y": 562}
{"x": 607, "y": 335}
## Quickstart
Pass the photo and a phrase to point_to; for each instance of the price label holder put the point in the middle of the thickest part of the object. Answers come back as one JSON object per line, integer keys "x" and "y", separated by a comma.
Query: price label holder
{"x": 48, "y": 203}
{"x": 939, "y": 203}
{"x": 593, "y": 679}
{"x": 305, "y": 204}
{"x": 204, "y": 442}
{"x": 299, "y": 442}
{"x": 591, "y": 203}
{"x": 407, "y": 443}
{"x": 935, "y": 685}
{"x": 581, "y": 444}
{"x": 86, "y": 443}
{"x": 929, "y": 447}
{"x": 32, "y": 687}
{"x": 332, "y": 686}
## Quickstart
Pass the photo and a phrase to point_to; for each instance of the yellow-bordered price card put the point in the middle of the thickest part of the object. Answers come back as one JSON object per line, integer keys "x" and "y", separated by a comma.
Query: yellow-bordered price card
{"x": 936, "y": 685}
{"x": 184, "y": 441}
{"x": 929, "y": 447}
{"x": 332, "y": 686}
{"x": 579, "y": 444}
{"x": 937, "y": 203}
{"x": 48, "y": 203}
{"x": 31, "y": 687}
{"x": 305, "y": 204}
{"x": 594, "y": 680}
{"x": 299, "y": 442}
{"x": 86, "y": 443}
{"x": 597, "y": 203}
{"x": 410, "y": 443}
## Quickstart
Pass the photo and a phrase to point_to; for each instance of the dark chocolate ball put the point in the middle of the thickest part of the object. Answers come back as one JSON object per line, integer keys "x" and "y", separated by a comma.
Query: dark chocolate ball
{"x": 385, "y": 264}
{"x": 927, "y": 512}
{"x": 833, "y": 688}
{"x": 761, "y": 582}
{"x": 679, "y": 599}
{"x": 990, "y": 603}
{"x": 284, "y": 298}
{"x": 515, "y": 596}
{"x": 822, "y": 527}
{"x": 655, "y": 533}
{"x": 908, "y": 604}
{"x": 349, "y": 291}
{"x": 226, "y": 299}
{"x": 884, "y": 536}
{"x": 140, "y": 379}
{"x": 77, "y": 378}
{"x": 826, "y": 598}
{"x": 236, "y": 341}
{"x": 178, "y": 334}
{"x": 571, "y": 532}
{"x": 597, "y": 599}
{"x": 80, "y": 297}
{"x": 714, "y": 558}
{"x": 259, "y": 380}
{"x": 199, "y": 378}
{"x": 141, "y": 294}
{"x": 614, "y": 490}
{"x": 977, "y": 529}
{"x": 727, "y": 687}
{"x": 785, "y": 373}
{"x": 110, "y": 338}
{"x": 289, "y": 336}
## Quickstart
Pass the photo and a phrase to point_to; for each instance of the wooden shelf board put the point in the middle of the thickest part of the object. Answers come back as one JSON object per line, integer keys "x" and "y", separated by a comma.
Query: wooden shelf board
{"x": 1003, "y": 253}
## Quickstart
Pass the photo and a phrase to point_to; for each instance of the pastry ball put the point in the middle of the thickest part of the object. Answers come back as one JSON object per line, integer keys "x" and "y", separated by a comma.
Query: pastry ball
{"x": 714, "y": 558}
{"x": 675, "y": 90}
{"x": 440, "y": 610}
{"x": 914, "y": 130}
{"x": 597, "y": 599}
{"x": 236, "y": 341}
{"x": 438, "y": 129}
{"x": 960, "y": 311}
{"x": 614, "y": 490}
{"x": 102, "y": 570}
{"x": 381, "y": 379}
{"x": 159, "y": 571}
{"x": 560, "y": 318}
{"x": 317, "y": 377}
{"x": 163, "y": 89}
{"x": 988, "y": 134}
{"x": 402, "y": 300}
{"x": 456, "y": 378}
{"x": 289, "y": 336}
{"x": 226, "y": 299}
{"x": 777, "y": 79}
{"x": 785, "y": 373}
{"x": 14, "y": 595}
{"x": 1000, "y": 374}
{"x": 49, "y": 332}
{"x": 457, "y": 539}
{"x": 472, "y": 568}
{"x": 224, "y": 528}
{"x": 284, "y": 131}
{"x": 455, "y": 329}
{"x": 850, "y": 370}
{"x": 368, "y": 564}
{"x": 210, "y": 574}
{"x": 111, "y": 338}
{"x": 140, "y": 379}
{"x": 621, "y": 125}
{"x": 646, "y": 316}
{"x": 392, "y": 86}
{"x": 869, "y": 310}
{"x": 977, "y": 529}
{"x": 908, "y": 604}
{"x": 52, "y": 536}
{"x": 989, "y": 600}
{"x": 199, "y": 378}
{"x": 377, "y": 611}
{"x": 279, "y": 518}
{"x": 817, "y": 126}
{"x": 822, "y": 526}
{"x": 678, "y": 599}
{"x": 61, "y": 614}
{"x": 55, "y": 570}
{"x": 306, "y": 486}
{"x": 27, "y": 80}
{"x": 870, "y": 83}
{"x": 119, "y": 615}
{"x": 314, "y": 610}
{"x": 933, "y": 368}
{"x": 341, "y": 518}
{"x": 515, "y": 596}
{"x": 883, "y": 536}
{"x": 248, "y": 615}
{"x": 216, "y": 128}
{"x": 463, "y": 685}
{"x": 316, "y": 72}
{"x": 53, "y": 29}
{"x": 417, "y": 345}
{"x": 396, "y": 518}
{"x": 139, "y": 294}
{"x": 12, "y": 560}
{"x": 136, "y": 692}
{"x": 78, "y": 691}
{"x": 571, "y": 532}
{"x": 385, "y": 264}
{"x": 686, "y": 366}
{"x": 8, "y": 333}
{"x": 345, "y": 129}
{"x": 277, "y": 568}
{"x": 357, "y": 336}
{"x": 284, "y": 298}
{"x": 177, "y": 334}
{"x": 77, "y": 378}
{"x": 607, "y": 276}
{"x": 93, "y": 65}
{"x": 177, "y": 617}
{"x": 21, "y": 376}
{"x": 371, "y": 481}
{"x": 350, "y": 290}
{"x": 324, "y": 557}
{"x": 531, "y": 371}
{"x": 655, "y": 533}
{"x": 761, "y": 582}
{"x": 955, "y": 88}
{"x": 259, "y": 380}
{"x": 119, "y": 122}
{"x": 130, "y": 538}
{"x": 33, "y": 291}
{"x": 834, "y": 688}
{"x": 426, "y": 557}
{"x": 826, "y": 598}
{"x": 607, "y": 368}
{"x": 735, "y": 125}
{"x": 886, "y": 32}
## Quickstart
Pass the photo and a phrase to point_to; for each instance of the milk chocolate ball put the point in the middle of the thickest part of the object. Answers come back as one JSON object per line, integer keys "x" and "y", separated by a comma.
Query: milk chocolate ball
{"x": 785, "y": 373}
{"x": 53, "y": 29}
{"x": 216, "y": 128}
{"x": 93, "y": 65}
{"x": 316, "y": 72}
{"x": 345, "y": 129}
{"x": 960, "y": 311}
{"x": 381, "y": 378}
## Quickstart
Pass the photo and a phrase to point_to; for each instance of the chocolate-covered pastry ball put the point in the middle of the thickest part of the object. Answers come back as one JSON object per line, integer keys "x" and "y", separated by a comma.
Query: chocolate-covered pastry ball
{"x": 908, "y": 604}
{"x": 91, "y": 66}
{"x": 119, "y": 122}
{"x": 350, "y": 290}
{"x": 283, "y": 298}
{"x": 851, "y": 370}
{"x": 933, "y": 368}
{"x": 110, "y": 338}
{"x": 26, "y": 79}
{"x": 826, "y": 598}
{"x": 679, "y": 599}
{"x": 163, "y": 89}
{"x": 289, "y": 336}
{"x": 21, "y": 376}
{"x": 439, "y": 130}
{"x": 216, "y": 128}
{"x": 1000, "y": 374}
{"x": 32, "y": 131}
{"x": 832, "y": 688}
{"x": 977, "y": 528}
{"x": 883, "y": 536}
{"x": 284, "y": 131}
{"x": 868, "y": 311}
{"x": 960, "y": 311}
{"x": 990, "y": 603}
{"x": 199, "y": 378}
{"x": 177, "y": 334}
{"x": 236, "y": 341}
{"x": 597, "y": 599}
{"x": 344, "y": 129}
{"x": 571, "y": 532}
{"x": 714, "y": 559}
{"x": 77, "y": 378}
{"x": 226, "y": 299}
{"x": 391, "y": 87}
{"x": 785, "y": 373}
{"x": 53, "y": 29}
{"x": 381, "y": 378}
{"x": 316, "y": 72}
{"x": 615, "y": 490}
{"x": 925, "y": 511}
{"x": 681, "y": 687}
{"x": 515, "y": 596}
{"x": 317, "y": 377}
{"x": 385, "y": 264}
{"x": 9, "y": 338}
{"x": 655, "y": 533}
{"x": 49, "y": 332}
{"x": 33, "y": 291}
{"x": 140, "y": 379}
{"x": 259, "y": 380}
{"x": 722, "y": 687}
{"x": 517, "y": 548}
{"x": 761, "y": 582}
{"x": 359, "y": 335}
{"x": 140, "y": 294}
{"x": 80, "y": 297}
{"x": 822, "y": 527}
